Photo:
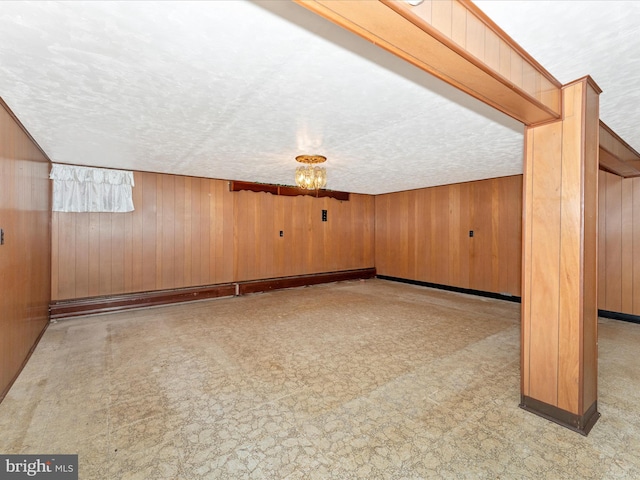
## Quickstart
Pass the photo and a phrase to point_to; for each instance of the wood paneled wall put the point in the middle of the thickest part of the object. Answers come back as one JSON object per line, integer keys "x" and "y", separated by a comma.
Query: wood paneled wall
{"x": 424, "y": 235}
{"x": 619, "y": 244}
{"x": 189, "y": 231}
{"x": 25, "y": 257}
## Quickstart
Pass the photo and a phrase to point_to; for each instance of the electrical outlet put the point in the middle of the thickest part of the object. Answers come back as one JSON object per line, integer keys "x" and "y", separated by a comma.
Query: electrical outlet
{"x": 470, "y": 233}
{"x": 1, "y": 236}
{"x": 324, "y": 215}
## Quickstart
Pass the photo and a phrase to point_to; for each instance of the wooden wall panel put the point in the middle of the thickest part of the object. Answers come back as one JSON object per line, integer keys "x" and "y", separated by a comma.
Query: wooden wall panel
{"x": 602, "y": 238}
{"x": 160, "y": 245}
{"x": 436, "y": 223}
{"x": 189, "y": 232}
{"x": 308, "y": 244}
{"x": 619, "y": 244}
{"x": 636, "y": 246}
{"x": 25, "y": 257}
{"x": 613, "y": 250}
{"x": 626, "y": 250}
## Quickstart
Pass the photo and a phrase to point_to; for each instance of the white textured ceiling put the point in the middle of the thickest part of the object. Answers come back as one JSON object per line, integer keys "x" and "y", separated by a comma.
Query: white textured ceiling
{"x": 237, "y": 89}
{"x": 572, "y": 39}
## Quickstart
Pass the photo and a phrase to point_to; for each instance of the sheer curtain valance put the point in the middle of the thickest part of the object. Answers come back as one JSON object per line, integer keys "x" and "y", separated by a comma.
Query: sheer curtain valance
{"x": 87, "y": 189}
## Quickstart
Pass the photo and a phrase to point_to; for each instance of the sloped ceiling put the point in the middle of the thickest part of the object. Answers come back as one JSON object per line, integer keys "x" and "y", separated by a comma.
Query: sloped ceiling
{"x": 236, "y": 89}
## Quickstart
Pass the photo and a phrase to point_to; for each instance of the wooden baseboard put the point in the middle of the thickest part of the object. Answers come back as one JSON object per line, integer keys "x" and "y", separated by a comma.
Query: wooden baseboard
{"x": 627, "y": 317}
{"x": 578, "y": 423}
{"x": 114, "y": 303}
{"x": 468, "y": 291}
{"x": 303, "y": 280}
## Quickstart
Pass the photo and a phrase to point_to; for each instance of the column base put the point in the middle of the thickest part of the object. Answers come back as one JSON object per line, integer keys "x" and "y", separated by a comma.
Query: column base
{"x": 578, "y": 423}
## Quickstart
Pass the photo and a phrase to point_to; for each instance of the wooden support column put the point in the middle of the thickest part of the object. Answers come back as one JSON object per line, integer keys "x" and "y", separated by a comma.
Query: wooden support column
{"x": 559, "y": 309}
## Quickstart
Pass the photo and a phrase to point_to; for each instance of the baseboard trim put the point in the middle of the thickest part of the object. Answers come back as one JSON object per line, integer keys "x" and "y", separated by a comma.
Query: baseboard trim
{"x": 24, "y": 363}
{"x": 627, "y": 317}
{"x": 256, "y": 286}
{"x": 578, "y": 423}
{"x": 114, "y": 303}
{"x": 480, "y": 293}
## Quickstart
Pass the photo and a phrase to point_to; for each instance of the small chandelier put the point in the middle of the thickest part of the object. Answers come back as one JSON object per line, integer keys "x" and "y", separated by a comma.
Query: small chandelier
{"x": 310, "y": 176}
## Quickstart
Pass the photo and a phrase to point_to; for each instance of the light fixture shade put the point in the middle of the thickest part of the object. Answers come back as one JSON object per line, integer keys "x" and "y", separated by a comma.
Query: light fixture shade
{"x": 310, "y": 176}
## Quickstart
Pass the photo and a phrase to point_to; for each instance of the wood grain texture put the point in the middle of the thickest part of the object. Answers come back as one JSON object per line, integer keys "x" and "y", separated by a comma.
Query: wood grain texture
{"x": 545, "y": 260}
{"x": 559, "y": 327}
{"x": 636, "y": 246}
{"x": 187, "y": 232}
{"x": 423, "y": 235}
{"x": 619, "y": 244}
{"x": 25, "y": 257}
{"x": 589, "y": 343}
{"x": 613, "y": 250}
{"x": 426, "y": 37}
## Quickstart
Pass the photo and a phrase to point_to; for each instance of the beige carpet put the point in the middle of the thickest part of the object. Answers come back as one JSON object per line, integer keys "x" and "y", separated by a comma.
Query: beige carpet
{"x": 368, "y": 379}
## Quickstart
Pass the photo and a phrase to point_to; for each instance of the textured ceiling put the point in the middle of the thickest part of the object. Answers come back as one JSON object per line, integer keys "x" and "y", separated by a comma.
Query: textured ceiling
{"x": 237, "y": 89}
{"x": 572, "y": 39}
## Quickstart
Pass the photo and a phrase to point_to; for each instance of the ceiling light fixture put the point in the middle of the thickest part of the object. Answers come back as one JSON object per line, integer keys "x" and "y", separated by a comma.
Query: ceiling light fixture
{"x": 414, "y": 3}
{"x": 310, "y": 176}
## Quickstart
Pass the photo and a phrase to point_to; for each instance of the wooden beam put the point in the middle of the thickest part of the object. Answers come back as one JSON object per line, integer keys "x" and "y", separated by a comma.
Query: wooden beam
{"x": 616, "y": 155}
{"x": 236, "y": 186}
{"x": 476, "y": 56}
{"x": 610, "y": 163}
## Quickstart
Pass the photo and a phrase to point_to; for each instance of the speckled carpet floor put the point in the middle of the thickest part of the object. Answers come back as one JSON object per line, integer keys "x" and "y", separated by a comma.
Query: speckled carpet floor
{"x": 367, "y": 379}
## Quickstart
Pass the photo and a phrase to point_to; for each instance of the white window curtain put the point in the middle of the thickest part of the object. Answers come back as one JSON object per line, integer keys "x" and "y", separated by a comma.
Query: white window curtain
{"x": 86, "y": 189}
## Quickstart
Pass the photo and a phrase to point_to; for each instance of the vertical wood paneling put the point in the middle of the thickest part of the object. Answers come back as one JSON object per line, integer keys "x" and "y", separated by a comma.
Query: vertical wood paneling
{"x": 436, "y": 221}
{"x": 589, "y": 341}
{"x": 626, "y": 233}
{"x": 439, "y": 243}
{"x": 481, "y": 243}
{"x": 572, "y": 177}
{"x": 117, "y": 252}
{"x": 188, "y": 222}
{"x": 93, "y": 257}
{"x": 193, "y": 231}
{"x": 513, "y": 219}
{"x": 137, "y": 232}
{"x": 25, "y": 257}
{"x": 127, "y": 253}
{"x": 466, "y": 242}
{"x": 455, "y": 239}
{"x": 602, "y": 239}
{"x": 619, "y": 244}
{"x": 167, "y": 252}
{"x": 545, "y": 259}
{"x": 179, "y": 237}
{"x": 636, "y": 246}
{"x": 105, "y": 259}
{"x": 613, "y": 252}
{"x": 204, "y": 245}
{"x": 559, "y": 327}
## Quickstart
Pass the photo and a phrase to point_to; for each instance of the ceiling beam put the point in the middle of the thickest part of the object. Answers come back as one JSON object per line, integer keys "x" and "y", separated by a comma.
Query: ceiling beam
{"x": 616, "y": 155}
{"x": 456, "y": 42}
